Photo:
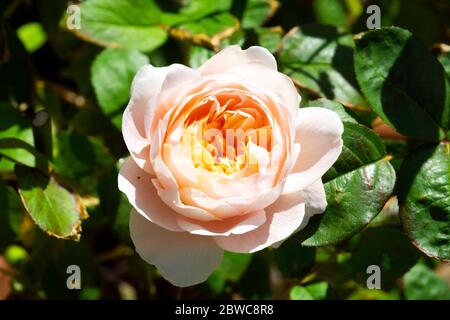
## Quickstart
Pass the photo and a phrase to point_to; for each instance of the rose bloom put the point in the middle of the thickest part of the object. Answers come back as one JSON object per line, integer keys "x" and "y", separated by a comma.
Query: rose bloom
{"x": 222, "y": 158}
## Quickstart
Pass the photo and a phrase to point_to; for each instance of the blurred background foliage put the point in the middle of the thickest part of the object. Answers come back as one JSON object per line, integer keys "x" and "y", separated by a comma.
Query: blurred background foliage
{"x": 65, "y": 166}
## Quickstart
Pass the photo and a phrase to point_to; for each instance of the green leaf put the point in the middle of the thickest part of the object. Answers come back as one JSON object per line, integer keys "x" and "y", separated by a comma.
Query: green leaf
{"x": 320, "y": 60}
{"x": 357, "y": 187}
{"x": 314, "y": 291}
{"x": 132, "y": 24}
{"x": 300, "y": 293}
{"x": 387, "y": 248}
{"x": 81, "y": 160}
{"x": 256, "y": 12}
{"x": 32, "y": 36}
{"x": 403, "y": 82}
{"x": 11, "y": 213}
{"x": 14, "y": 125}
{"x": 333, "y": 106}
{"x": 318, "y": 290}
{"x": 424, "y": 199}
{"x": 36, "y": 158}
{"x": 196, "y": 9}
{"x": 361, "y": 146}
{"x": 232, "y": 268}
{"x": 198, "y": 55}
{"x": 53, "y": 208}
{"x": 444, "y": 59}
{"x": 269, "y": 38}
{"x": 209, "y": 31}
{"x": 111, "y": 74}
{"x": 331, "y": 12}
{"x": 421, "y": 283}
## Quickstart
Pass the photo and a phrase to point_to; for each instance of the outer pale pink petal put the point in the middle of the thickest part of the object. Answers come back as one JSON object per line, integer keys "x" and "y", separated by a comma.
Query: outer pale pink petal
{"x": 171, "y": 197}
{"x": 181, "y": 258}
{"x": 315, "y": 202}
{"x": 319, "y": 133}
{"x": 280, "y": 84}
{"x": 283, "y": 218}
{"x": 142, "y": 195}
{"x": 226, "y": 227}
{"x": 147, "y": 85}
{"x": 314, "y": 198}
{"x": 234, "y": 56}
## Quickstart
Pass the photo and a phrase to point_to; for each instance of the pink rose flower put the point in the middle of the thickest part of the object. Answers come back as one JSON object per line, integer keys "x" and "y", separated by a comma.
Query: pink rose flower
{"x": 222, "y": 158}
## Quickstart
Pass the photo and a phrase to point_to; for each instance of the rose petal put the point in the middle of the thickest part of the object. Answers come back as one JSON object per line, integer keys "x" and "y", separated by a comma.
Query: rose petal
{"x": 142, "y": 195}
{"x": 181, "y": 258}
{"x": 319, "y": 133}
{"x": 314, "y": 198}
{"x": 146, "y": 86}
{"x": 233, "y": 56}
{"x": 280, "y": 84}
{"x": 226, "y": 227}
{"x": 171, "y": 197}
{"x": 283, "y": 218}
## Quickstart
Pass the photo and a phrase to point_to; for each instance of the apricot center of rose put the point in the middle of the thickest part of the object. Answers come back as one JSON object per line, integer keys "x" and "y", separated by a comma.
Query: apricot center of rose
{"x": 227, "y": 133}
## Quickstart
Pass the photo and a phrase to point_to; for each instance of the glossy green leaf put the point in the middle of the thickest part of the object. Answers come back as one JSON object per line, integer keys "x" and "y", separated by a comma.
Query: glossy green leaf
{"x": 256, "y": 12}
{"x": 132, "y": 24}
{"x": 231, "y": 269}
{"x": 14, "y": 125}
{"x": 32, "y": 36}
{"x": 53, "y": 208}
{"x": 357, "y": 187}
{"x": 361, "y": 146}
{"x": 421, "y": 283}
{"x": 320, "y": 60}
{"x": 403, "y": 82}
{"x": 424, "y": 199}
{"x": 111, "y": 74}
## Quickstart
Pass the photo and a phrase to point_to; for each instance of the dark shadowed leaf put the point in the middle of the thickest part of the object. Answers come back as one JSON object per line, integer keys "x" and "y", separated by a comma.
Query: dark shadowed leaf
{"x": 11, "y": 213}
{"x": 320, "y": 60}
{"x": 81, "y": 160}
{"x": 387, "y": 248}
{"x": 424, "y": 199}
{"x": 403, "y": 82}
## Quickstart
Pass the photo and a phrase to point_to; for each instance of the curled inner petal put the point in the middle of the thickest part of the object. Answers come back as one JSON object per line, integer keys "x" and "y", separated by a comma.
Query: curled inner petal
{"x": 227, "y": 133}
